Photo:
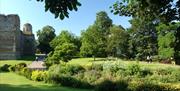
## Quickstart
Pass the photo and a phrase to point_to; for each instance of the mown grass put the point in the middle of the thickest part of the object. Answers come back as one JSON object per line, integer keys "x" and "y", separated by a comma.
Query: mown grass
{"x": 13, "y": 62}
{"x": 89, "y": 61}
{"x": 13, "y": 82}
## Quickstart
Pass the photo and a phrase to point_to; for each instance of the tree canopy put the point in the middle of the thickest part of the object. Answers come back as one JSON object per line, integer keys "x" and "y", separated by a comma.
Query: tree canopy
{"x": 148, "y": 10}
{"x": 45, "y": 36}
{"x": 61, "y": 8}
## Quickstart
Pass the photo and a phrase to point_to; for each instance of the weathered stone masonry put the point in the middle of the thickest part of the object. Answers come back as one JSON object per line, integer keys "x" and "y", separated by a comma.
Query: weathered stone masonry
{"x": 15, "y": 43}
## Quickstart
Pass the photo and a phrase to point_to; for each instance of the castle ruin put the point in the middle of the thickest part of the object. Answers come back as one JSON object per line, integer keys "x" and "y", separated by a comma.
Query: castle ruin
{"x": 15, "y": 43}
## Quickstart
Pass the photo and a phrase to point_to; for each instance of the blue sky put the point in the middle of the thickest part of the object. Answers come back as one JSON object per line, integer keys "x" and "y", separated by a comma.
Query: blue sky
{"x": 33, "y": 12}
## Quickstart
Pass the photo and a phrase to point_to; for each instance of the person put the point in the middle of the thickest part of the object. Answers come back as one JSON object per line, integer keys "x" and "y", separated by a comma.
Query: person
{"x": 148, "y": 58}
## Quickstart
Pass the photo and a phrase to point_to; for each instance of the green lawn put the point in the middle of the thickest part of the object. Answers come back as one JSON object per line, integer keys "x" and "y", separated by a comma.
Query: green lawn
{"x": 13, "y": 82}
{"x": 13, "y": 62}
{"x": 88, "y": 61}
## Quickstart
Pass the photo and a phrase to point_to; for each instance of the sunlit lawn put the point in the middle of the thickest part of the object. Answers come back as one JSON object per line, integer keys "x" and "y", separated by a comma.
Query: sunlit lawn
{"x": 13, "y": 82}
{"x": 153, "y": 65}
{"x": 13, "y": 62}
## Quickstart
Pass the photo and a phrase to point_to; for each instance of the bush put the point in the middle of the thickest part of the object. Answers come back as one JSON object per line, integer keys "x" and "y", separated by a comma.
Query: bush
{"x": 73, "y": 69}
{"x": 163, "y": 71}
{"x": 19, "y": 67}
{"x": 72, "y": 82}
{"x": 26, "y": 72}
{"x": 133, "y": 69}
{"x": 176, "y": 74}
{"x": 38, "y": 75}
{"x": 106, "y": 85}
{"x": 154, "y": 87}
{"x": 5, "y": 68}
{"x": 144, "y": 72}
{"x": 97, "y": 67}
{"x": 91, "y": 76}
{"x": 12, "y": 68}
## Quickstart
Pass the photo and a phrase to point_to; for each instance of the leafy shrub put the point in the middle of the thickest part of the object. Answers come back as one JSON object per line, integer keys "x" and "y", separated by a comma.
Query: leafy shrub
{"x": 26, "y": 72}
{"x": 74, "y": 69}
{"x": 106, "y": 85}
{"x": 5, "y": 68}
{"x": 163, "y": 71}
{"x": 97, "y": 67}
{"x": 20, "y": 66}
{"x": 12, "y": 68}
{"x": 109, "y": 85}
{"x": 154, "y": 87}
{"x": 122, "y": 85}
{"x": 72, "y": 82}
{"x": 38, "y": 75}
{"x": 176, "y": 74}
{"x": 144, "y": 72}
{"x": 91, "y": 76}
{"x": 133, "y": 69}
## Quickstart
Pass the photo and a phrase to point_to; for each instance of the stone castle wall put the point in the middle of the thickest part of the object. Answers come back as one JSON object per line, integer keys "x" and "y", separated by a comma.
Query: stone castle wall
{"x": 12, "y": 39}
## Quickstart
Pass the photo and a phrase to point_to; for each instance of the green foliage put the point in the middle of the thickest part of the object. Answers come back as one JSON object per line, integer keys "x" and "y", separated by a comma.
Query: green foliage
{"x": 133, "y": 69}
{"x": 45, "y": 36}
{"x": 143, "y": 40}
{"x": 38, "y": 75}
{"x": 166, "y": 40}
{"x": 117, "y": 42}
{"x": 5, "y": 68}
{"x": 26, "y": 72}
{"x": 60, "y": 8}
{"x": 108, "y": 85}
{"x": 66, "y": 46}
{"x": 148, "y": 10}
{"x": 64, "y": 37}
{"x": 94, "y": 39}
{"x": 20, "y": 66}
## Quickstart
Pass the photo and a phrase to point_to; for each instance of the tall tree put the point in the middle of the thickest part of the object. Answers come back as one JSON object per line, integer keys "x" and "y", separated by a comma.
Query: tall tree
{"x": 64, "y": 37}
{"x": 45, "y": 36}
{"x": 93, "y": 43}
{"x": 65, "y": 46}
{"x": 117, "y": 44}
{"x": 94, "y": 39}
{"x": 143, "y": 39}
{"x": 103, "y": 22}
{"x": 148, "y": 10}
{"x": 168, "y": 41}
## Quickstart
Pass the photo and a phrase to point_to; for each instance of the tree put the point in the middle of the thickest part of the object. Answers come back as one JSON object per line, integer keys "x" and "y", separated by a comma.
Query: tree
{"x": 94, "y": 39}
{"x": 92, "y": 43}
{"x": 148, "y": 10}
{"x": 64, "y": 52}
{"x": 177, "y": 45}
{"x": 103, "y": 22}
{"x": 60, "y": 8}
{"x": 117, "y": 44}
{"x": 64, "y": 37}
{"x": 168, "y": 41}
{"x": 65, "y": 46}
{"x": 143, "y": 39}
{"x": 45, "y": 36}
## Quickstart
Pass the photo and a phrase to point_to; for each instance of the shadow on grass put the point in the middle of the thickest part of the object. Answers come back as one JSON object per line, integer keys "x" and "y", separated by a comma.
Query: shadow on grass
{"x": 8, "y": 87}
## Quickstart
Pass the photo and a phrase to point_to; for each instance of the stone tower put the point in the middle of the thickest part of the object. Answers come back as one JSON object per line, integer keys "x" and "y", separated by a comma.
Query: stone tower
{"x": 28, "y": 40}
{"x": 12, "y": 40}
{"x": 27, "y": 29}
